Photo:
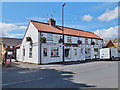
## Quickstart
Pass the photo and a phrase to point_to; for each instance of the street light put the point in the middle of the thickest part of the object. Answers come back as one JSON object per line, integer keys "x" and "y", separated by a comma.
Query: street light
{"x": 62, "y": 27}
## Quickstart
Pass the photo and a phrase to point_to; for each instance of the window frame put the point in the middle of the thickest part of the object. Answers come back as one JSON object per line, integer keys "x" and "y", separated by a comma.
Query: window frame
{"x": 69, "y": 39}
{"x": 49, "y": 37}
{"x": 30, "y": 52}
{"x": 45, "y": 52}
{"x": 86, "y": 40}
{"x": 23, "y": 51}
{"x": 54, "y": 52}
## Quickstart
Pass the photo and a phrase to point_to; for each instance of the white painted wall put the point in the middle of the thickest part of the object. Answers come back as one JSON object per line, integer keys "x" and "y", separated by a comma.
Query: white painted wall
{"x": 33, "y": 33}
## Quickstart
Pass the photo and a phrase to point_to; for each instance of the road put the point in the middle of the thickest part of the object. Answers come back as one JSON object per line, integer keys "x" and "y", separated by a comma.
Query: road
{"x": 98, "y": 74}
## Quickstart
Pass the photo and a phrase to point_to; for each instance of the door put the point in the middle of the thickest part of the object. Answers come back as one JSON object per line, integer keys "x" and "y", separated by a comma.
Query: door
{"x": 87, "y": 53}
{"x": 67, "y": 53}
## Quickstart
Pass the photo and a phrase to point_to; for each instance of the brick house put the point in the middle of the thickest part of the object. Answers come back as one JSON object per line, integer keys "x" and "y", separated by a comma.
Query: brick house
{"x": 10, "y": 45}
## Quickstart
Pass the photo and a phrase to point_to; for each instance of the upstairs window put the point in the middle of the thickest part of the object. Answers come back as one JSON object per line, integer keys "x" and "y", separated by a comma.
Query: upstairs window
{"x": 96, "y": 42}
{"x": 49, "y": 37}
{"x": 86, "y": 41}
{"x": 69, "y": 39}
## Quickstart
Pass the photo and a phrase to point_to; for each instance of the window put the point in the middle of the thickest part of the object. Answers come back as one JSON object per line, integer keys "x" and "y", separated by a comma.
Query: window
{"x": 69, "y": 39}
{"x": 23, "y": 52}
{"x": 54, "y": 51}
{"x": 49, "y": 37}
{"x": 30, "y": 52}
{"x": 17, "y": 41}
{"x": 86, "y": 41}
{"x": 10, "y": 41}
{"x": 96, "y": 50}
{"x": 6, "y": 46}
{"x": 44, "y": 51}
{"x": 96, "y": 42}
{"x": 82, "y": 51}
{"x": 75, "y": 51}
{"x": 11, "y": 46}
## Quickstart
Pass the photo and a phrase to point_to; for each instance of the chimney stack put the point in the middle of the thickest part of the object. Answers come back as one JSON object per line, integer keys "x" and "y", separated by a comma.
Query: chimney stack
{"x": 52, "y": 22}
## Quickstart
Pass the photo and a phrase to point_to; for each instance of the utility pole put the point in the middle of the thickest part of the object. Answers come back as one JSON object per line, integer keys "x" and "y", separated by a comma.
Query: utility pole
{"x": 63, "y": 30}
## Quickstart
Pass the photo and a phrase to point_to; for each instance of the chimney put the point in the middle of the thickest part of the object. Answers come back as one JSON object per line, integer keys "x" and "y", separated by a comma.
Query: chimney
{"x": 51, "y": 22}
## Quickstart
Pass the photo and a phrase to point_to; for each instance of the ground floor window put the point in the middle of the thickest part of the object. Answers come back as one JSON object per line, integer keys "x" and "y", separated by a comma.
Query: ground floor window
{"x": 75, "y": 51}
{"x": 82, "y": 51}
{"x": 23, "y": 52}
{"x": 54, "y": 51}
{"x": 45, "y": 51}
{"x": 30, "y": 52}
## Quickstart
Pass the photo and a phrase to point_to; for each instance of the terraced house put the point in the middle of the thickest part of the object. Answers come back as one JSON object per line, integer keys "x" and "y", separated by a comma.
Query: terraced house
{"x": 43, "y": 43}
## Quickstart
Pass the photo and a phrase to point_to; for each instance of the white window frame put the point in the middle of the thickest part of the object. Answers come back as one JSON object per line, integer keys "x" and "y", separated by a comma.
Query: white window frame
{"x": 46, "y": 51}
{"x": 30, "y": 52}
{"x": 75, "y": 51}
{"x": 54, "y": 52}
{"x": 86, "y": 39}
{"x": 69, "y": 39}
{"x": 49, "y": 37}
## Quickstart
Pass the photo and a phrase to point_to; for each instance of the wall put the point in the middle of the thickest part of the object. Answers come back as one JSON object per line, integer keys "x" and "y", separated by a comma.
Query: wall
{"x": 33, "y": 33}
{"x": 79, "y": 56}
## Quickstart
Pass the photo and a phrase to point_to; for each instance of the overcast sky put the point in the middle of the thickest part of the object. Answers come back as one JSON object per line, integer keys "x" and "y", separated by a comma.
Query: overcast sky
{"x": 98, "y": 17}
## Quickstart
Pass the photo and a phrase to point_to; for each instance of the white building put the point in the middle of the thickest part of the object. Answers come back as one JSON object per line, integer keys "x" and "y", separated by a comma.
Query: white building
{"x": 33, "y": 50}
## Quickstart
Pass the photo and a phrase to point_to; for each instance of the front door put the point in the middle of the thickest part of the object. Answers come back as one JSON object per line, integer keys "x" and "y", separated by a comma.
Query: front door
{"x": 87, "y": 53}
{"x": 67, "y": 53}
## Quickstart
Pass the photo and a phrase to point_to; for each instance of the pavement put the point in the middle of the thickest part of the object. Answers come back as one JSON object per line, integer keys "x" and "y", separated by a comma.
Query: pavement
{"x": 96, "y": 74}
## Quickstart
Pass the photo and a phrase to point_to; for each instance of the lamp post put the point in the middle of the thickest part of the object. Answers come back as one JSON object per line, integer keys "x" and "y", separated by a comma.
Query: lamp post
{"x": 63, "y": 28}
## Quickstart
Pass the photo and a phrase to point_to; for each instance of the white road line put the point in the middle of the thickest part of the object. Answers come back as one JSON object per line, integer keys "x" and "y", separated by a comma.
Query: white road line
{"x": 21, "y": 82}
{"x": 22, "y": 72}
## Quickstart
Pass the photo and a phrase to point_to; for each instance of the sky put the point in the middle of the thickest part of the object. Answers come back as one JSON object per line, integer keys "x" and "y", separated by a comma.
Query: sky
{"x": 98, "y": 17}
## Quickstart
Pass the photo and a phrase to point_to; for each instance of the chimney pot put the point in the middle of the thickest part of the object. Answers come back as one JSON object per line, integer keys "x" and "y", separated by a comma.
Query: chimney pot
{"x": 52, "y": 22}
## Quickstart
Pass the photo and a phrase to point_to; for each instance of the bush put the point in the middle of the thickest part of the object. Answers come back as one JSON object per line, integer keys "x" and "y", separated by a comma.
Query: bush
{"x": 43, "y": 40}
{"x": 60, "y": 40}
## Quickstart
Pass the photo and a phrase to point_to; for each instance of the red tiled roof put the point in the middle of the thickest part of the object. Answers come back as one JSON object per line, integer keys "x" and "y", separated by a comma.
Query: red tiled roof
{"x": 58, "y": 29}
{"x": 18, "y": 45}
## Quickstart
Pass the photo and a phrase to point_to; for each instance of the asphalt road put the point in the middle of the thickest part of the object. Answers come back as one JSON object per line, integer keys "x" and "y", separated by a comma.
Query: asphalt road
{"x": 100, "y": 74}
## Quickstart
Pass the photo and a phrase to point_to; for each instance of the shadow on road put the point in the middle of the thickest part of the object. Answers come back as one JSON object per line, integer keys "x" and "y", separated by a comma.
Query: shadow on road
{"x": 41, "y": 78}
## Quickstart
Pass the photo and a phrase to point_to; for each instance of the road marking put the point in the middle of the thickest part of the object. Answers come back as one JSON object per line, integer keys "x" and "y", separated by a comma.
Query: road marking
{"x": 22, "y": 72}
{"x": 21, "y": 82}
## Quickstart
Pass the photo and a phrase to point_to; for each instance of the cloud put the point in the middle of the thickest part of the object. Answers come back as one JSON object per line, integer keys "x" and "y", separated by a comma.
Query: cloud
{"x": 7, "y": 28}
{"x": 36, "y": 18}
{"x": 109, "y": 15}
{"x": 109, "y": 33}
{"x": 87, "y": 18}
